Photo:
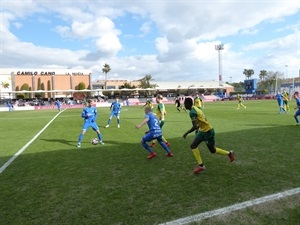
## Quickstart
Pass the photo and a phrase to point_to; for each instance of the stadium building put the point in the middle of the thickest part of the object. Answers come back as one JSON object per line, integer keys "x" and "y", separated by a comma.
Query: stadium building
{"x": 48, "y": 83}
{"x": 27, "y": 83}
{"x": 173, "y": 87}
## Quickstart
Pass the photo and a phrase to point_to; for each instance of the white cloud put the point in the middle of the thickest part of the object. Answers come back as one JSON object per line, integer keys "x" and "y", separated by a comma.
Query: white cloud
{"x": 109, "y": 43}
{"x": 18, "y": 25}
{"x": 249, "y": 31}
{"x": 64, "y": 31}
{"x": 187, "y": 32}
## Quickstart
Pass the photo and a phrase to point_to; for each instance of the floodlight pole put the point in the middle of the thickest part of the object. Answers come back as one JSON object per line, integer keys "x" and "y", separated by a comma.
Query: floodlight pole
{"x": 219, "y": 48}
{"x": 286, "y": 74}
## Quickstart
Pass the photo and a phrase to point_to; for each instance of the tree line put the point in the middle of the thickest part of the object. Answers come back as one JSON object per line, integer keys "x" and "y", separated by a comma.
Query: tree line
{"x": 267, "y": 81}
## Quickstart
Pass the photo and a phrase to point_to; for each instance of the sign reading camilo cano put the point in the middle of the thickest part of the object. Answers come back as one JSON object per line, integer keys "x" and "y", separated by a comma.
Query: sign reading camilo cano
{"x": 45, "y": 73}
{"x": 35, "y": 73}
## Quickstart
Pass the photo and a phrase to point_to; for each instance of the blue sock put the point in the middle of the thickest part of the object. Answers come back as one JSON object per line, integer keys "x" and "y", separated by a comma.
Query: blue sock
{"x": 80, "y": 138}
{"x": 118, "y": 121}
{"x": 99, "y": 136}
{"x": 164, "y": 146}
{"x": 296, "y": 119}
{"x": 108, "y": 122}
{"x": 146, "y": 147}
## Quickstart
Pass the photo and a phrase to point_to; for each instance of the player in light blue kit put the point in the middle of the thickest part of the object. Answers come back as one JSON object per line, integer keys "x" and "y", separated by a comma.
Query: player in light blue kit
{"x": 89, "y": 113}
{"x": 297, "y": 113}
{"x": 279, "y": 98}
{"x": 115, "y": 109}
{"x": 154, "y": 132}
{"x": 57, "y": 103}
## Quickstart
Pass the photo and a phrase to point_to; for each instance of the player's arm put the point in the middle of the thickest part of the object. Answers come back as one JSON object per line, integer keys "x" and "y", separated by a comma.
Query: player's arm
{"x": 194, "y": 127}
{"x": 146, "y": 104}
{"x": 162, "y": 115}
{"x": 202, "y": 102}
{"x": 298, "y": 105}
{"x": 142, "y": 123}
{"x": 84, "y": 114}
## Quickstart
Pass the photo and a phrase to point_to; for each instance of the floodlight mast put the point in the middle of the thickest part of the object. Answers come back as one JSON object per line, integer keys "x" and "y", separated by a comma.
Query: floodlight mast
{"x": 219, "y": 48}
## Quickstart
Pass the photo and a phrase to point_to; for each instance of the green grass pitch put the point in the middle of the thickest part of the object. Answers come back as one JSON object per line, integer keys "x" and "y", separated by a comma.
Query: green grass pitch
{"x": 53, "y": 182}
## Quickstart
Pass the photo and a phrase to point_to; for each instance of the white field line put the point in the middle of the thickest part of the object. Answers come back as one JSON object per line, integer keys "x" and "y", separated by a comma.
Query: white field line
{"x": 25, "y": 146}
{"x": 235, "y": 207}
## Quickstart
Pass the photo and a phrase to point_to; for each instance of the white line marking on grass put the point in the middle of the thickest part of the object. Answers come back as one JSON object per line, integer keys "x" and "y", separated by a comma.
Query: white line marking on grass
{"x": 25, "y": 146}
{"x": 235, "y": 207}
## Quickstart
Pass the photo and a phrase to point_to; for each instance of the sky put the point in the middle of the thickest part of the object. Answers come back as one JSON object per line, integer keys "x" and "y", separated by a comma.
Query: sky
{"x": 171, "y": 40}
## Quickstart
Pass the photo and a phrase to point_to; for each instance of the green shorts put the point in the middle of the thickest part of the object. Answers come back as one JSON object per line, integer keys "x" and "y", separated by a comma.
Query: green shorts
{"x": 208, "y": 137}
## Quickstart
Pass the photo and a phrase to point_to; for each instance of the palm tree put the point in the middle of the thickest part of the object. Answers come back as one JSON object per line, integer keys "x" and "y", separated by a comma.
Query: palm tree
{"x": 263, "y": 74}
{"x": 145, "y": 82}
{"x": 105, "y": 70}
{"x": 248, "y": 73}
{"x": 128, "y": 86}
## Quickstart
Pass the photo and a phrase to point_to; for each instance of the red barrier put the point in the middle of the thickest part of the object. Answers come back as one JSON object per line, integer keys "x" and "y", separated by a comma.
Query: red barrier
{"x": 55, "y": 107}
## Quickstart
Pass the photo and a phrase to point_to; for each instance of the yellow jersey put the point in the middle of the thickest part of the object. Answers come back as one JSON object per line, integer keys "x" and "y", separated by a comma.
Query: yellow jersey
{"x": 239, "y": 98}
{"x": 198, "y": 115}
{"x": 149, "y": 104}
{"x": 198, "y": 102}
{"x": 285, "y": 96}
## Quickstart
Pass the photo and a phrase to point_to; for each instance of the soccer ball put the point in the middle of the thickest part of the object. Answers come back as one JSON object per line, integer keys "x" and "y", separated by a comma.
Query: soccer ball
{"x": 94, "y": 141}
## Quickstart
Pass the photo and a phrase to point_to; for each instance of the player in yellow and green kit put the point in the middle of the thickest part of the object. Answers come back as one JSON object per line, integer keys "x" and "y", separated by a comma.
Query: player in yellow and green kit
{"x": 240, "y": 100}
{"x": 149, "y": 104}
{"x": 205, "y": 133}
{"x": 160, "y": 113}
{"x": 285, "y": 100}
{"x": 198, "y": 102}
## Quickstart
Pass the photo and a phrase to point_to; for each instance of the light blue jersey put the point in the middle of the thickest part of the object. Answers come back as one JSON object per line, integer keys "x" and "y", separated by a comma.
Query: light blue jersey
{"x": 279, "y": 98}
{"x": 58, "y": 105}
{"x": 153, "y": 122}
{"x": 297, "y": 113}
{"x": 89, "y": 114}
{"x": 298, "y": 102}
{"x": 155, "y": 132}
{"x": 115, "y": 107}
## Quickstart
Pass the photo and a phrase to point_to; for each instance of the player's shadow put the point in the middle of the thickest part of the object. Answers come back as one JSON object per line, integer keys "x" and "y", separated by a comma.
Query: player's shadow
{"x": 63, "y": 141}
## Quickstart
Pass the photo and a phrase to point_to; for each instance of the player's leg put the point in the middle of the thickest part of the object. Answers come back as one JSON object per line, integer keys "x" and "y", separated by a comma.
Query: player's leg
{"x": 284, "y": 104}
{"x": 146, "y": 138}
{"x": 210, "y": 143}
{"x": 178, "y": 107}
{"x": 109, "y": 119}
{"x": 84, "y": 128}
{"x": 165, "y": 147}
{"x": 297, "y": 113}
{"x": 163, "y": 138}
{"x": 97, "y": 130}
{"x": 118, "y": 120}
{"x": 194, "y": 147}
{"x": 282, "y": 107}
